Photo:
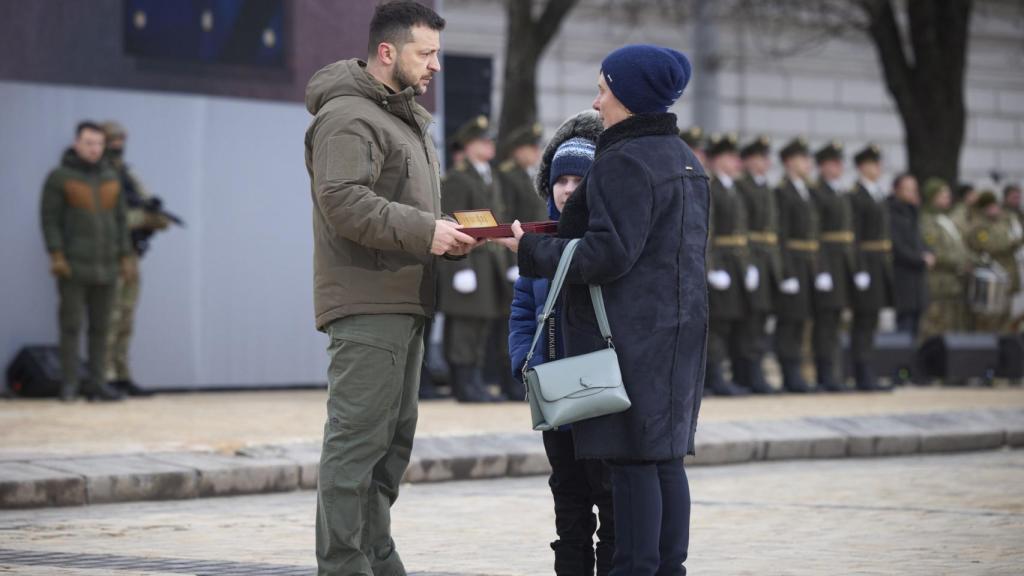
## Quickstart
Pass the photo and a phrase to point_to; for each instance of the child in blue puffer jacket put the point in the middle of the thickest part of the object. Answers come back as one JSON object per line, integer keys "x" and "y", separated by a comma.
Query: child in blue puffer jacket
{"x": 576, "y": 485}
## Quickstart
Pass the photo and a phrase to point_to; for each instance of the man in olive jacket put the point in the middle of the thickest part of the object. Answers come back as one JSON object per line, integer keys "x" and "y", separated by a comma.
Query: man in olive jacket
{"x": 376, "y": 227}
{"x": 84, "y": 226}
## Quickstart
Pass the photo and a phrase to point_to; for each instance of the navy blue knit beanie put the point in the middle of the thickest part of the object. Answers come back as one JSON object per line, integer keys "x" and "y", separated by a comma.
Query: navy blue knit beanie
{"x": 646, "y": 78}
{"x": 573, "y": 157}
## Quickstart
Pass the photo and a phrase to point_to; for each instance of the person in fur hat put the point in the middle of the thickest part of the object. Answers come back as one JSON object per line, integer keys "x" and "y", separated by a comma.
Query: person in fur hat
{"x": 576, "y": 485}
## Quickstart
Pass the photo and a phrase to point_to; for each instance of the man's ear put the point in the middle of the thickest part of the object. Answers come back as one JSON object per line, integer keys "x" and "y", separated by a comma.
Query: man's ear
{"x": 386, "y": 53}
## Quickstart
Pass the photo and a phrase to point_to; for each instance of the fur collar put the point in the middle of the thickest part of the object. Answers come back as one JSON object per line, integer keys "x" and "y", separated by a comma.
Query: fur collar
{"x": 636, "y": 126}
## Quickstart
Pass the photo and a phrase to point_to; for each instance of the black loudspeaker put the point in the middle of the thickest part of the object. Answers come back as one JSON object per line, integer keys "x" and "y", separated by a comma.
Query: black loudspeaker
{"x": 960, "y": 355}
{"x": 35, "y": 372}
{"x": 895, "y": 356}
{"x": 1011, "y": 357}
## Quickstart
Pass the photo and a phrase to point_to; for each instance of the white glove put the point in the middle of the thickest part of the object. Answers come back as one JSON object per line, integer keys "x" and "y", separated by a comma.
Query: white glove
{"x": 719, "y": 279}
{"x": 753, "y": 278}
{"x": 789, "y": 286}
{"x": 512, "y": 274}
{"x": 464, "y": 281}
{"x": 823, "y": 282}
{"x": 862, "y": 280}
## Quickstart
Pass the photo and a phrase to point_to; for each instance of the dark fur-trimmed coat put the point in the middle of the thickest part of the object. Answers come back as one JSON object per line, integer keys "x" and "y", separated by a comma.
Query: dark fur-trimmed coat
{"x": 642, "y": 215}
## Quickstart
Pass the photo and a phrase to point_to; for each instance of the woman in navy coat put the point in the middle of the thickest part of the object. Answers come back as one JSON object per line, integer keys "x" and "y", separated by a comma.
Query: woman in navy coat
{"x": 642, "y": 216}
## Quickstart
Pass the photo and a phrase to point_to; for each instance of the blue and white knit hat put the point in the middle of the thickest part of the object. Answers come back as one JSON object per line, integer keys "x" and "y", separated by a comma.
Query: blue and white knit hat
{"x": 573, "y": 157}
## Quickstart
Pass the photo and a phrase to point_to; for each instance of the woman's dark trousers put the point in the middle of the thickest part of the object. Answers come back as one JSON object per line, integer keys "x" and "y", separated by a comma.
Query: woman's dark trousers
{"x": 652, "y": 518}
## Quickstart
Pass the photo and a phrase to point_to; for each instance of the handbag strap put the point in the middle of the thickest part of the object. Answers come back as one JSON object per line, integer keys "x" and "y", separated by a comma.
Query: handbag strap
{"x": 596, "y": 296}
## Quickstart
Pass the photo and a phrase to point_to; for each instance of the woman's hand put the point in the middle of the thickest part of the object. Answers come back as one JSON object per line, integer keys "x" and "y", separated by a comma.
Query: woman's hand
{"x": 512, "y": 243}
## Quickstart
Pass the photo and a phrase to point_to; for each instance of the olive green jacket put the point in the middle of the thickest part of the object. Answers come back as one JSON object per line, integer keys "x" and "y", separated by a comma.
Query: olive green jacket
{"x": 996, "y": 239}
{"x": 83, "y": 217}
{"x": 375, "y": 183}
{"x": 952, "y": 259}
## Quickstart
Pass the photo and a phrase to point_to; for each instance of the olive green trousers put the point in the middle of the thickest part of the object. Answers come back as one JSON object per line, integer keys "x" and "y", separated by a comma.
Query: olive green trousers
{"x": 373, "y": 388}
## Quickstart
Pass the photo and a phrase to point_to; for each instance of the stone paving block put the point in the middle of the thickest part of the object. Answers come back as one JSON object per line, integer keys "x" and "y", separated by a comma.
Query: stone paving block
{"x": 24, "y": 485}
{"x": 305, "y": 455}
{"x": 725, "y": 443}
{"x": 788, "y": 439}
{"x": 874, "y": 435}
{"x": 1010, "y": 420}
{"x": 954, "y": 432}
{"x": 440, "y": 458}
{"x": 128, "y": 478}
{"x": 526, "y": 455}
{"x": 221, "y": 475}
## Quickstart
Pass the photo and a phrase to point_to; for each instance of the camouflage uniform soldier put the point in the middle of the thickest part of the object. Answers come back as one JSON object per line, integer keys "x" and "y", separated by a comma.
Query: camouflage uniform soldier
{"x": 991, "y": 236}
{"x": 126, "y": 295}
{"x": 798, "y": 236}
{"x": 763, "y": 244}
{"x": 947, "y": 307}
{"x": 83, "y": 220}
{"x": 730, "y": 274}
{"x": 472, "y": 289}
{"x": 873, "y": 279}
{"x": 836, "y": 264}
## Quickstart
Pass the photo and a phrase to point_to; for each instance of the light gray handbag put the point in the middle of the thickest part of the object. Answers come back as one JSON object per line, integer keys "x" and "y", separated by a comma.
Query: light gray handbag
{"x": 580, "y": 387}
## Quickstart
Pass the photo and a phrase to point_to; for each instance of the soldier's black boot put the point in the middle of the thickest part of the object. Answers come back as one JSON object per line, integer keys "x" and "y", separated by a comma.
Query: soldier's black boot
{"x": 512, "y": 389}
{"x": 866, "y": 380}
{"x": 825, "y": 371}
{"x": 792, "y": 380}
{"x": 468, "y": 384}
{"x": 722, "y": 387}
{"x": 428, "y": 390}
{"x": 102, "y": 392}
{"x": 754, "y": 377}
{"x": 68, "y": 392}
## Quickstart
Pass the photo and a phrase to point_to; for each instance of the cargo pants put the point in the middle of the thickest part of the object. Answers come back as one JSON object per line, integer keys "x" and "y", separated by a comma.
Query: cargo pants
{"x": 373, "y": 387}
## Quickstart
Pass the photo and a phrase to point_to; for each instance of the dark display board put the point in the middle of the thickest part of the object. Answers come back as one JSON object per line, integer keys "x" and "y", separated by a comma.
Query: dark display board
{"x": 235, "y": 32}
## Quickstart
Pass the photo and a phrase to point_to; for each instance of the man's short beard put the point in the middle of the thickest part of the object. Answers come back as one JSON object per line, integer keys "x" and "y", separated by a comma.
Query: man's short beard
{"x": 402, "y": 81}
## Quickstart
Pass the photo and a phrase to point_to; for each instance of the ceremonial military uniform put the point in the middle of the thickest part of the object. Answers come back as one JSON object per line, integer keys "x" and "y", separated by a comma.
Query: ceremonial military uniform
{"x": 472, "y": 290}
{"x": 874, "y": 268}
{"x": 694, "y": 136}
{"x": 727, "y": 263}
{"x": 994, "y": 239}
{"x": 521, "y": 200}
{"x": 763, "y": 246}
{"x": 837, "y": 261}
{"x": 522, "y": 203}
{"x": 947, "y": 307}
{"x": 798, "y": 238}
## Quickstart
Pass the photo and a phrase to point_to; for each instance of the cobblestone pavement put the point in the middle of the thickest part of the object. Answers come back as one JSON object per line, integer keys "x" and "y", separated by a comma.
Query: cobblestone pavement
{"x": 228, "y": 421}
{"x": 925, "y": 515}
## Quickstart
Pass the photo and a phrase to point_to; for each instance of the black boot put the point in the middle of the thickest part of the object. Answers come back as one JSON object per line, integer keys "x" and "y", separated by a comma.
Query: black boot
{"x": 825, "y": 371}
{"x": 102, "y": 392}
{"x": 512, "y": 389}
{"x": 571, "y": 560}
{"x": 428, "y": 389}
{"x": 866, "y": 380}
{"x": 792, "y": 380}
{"x": 754, "y": 377}
{"x": 68, "y": 392}
{"x": 468, "y": 385}
{"x": 722, "y": 387}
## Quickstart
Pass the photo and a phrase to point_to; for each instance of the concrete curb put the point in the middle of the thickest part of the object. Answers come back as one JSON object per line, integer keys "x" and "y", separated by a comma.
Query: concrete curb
{"x": 37, "y": 481}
